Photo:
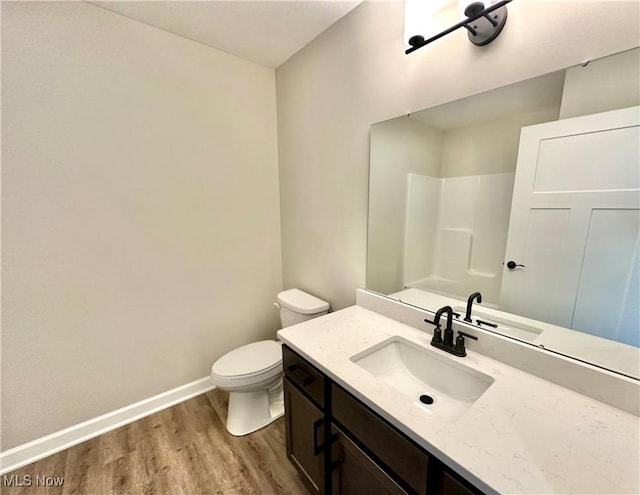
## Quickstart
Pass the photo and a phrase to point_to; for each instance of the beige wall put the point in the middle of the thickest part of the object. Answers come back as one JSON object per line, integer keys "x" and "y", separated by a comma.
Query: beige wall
{"x": 490, "y": 147}
{"x": 398, "y": 147}
{"x": 602, "y": 85}
{"x": 356, "y": 73}
{"x": 140, "y": 221}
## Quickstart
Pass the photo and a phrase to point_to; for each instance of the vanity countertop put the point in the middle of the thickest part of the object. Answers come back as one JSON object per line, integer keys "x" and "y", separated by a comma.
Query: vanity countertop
{"x": 523, "y": 435}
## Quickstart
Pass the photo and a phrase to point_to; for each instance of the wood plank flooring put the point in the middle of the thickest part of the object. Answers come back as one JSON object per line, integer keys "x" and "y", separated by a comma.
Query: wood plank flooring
{"x": 183, "y": 450}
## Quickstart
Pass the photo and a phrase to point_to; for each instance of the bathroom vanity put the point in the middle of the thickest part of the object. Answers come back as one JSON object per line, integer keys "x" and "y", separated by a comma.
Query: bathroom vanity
{"x": 366, "y": 454}
{"x": 356, "y": 424}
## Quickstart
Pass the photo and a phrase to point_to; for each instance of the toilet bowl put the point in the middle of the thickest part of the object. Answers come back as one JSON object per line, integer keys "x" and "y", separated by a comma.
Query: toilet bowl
{"x": 252, "y": 374}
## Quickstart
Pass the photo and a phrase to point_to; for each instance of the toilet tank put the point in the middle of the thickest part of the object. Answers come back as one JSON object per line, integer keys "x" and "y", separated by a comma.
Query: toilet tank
{"x": 297, "y": 306}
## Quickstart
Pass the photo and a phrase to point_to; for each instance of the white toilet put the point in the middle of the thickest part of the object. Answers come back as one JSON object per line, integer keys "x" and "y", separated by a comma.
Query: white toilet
{"x": 253, "y": 373}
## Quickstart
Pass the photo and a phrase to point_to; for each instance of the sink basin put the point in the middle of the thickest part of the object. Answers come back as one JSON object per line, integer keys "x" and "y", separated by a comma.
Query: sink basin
{"x": 505, "y": 326}
{"x": 440, "y": 385}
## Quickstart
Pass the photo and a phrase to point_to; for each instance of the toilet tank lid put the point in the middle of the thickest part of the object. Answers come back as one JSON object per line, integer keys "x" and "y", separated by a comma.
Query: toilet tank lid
{"x": 301, "y": 302}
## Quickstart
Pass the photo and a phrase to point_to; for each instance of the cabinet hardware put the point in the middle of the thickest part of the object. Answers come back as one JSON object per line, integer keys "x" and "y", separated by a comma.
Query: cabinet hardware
{"x": 301, "y": 378}
{"x": 317, "y": 449}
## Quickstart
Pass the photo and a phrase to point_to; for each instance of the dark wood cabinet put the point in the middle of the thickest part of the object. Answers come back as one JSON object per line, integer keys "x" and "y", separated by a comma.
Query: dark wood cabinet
{"x": 308, "y": 379}
{"x": 451, "y": 485}
{"x": 403, "y": 458}
{"x": 304, "y": 427}
{"x": 353, "y": 472}
{"x": 341, "y": 447}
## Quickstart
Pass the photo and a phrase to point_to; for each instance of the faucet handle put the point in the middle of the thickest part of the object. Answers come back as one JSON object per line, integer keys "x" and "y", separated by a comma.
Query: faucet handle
{"x": 459, "y": 347}
{"x": 437, "y": 332}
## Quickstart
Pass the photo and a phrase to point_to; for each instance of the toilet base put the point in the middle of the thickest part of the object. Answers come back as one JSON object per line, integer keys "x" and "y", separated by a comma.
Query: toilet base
{"x": 250, "y": 411}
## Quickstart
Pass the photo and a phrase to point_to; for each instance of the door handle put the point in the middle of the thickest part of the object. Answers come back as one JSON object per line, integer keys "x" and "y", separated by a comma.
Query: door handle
{"x": 335, "y": 465}
{"x": 317, "y": 449}
{"x": 336, "y": 475}
{"x": 512, "y": 265}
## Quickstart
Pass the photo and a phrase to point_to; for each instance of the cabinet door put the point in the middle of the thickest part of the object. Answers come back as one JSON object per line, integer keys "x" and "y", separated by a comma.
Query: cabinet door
{"x": 355, "y": 473}
{"x": 450, "y": 485}
{"x": 304, "y": 432}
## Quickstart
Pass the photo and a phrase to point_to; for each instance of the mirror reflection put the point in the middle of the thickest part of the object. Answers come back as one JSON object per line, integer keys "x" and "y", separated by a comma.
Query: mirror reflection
{"x": 528, "y": 194}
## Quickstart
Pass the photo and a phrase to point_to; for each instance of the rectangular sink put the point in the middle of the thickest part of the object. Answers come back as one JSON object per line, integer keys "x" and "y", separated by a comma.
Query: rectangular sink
{"x": 505, "y": 326}
{"x": 440, "y": 385}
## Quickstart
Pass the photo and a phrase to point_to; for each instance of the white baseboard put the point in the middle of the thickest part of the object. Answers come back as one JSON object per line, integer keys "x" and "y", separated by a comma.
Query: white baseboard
{"x": 45, "y": 446}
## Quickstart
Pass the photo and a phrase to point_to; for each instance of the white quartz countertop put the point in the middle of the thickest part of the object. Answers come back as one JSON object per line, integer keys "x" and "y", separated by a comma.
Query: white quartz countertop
{"x": 523, "y": 435}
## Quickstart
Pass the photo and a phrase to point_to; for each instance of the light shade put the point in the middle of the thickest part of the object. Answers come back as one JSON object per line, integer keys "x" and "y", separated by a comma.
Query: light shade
{"x": 418, "y": 18}
{"x": 467, "y": 8}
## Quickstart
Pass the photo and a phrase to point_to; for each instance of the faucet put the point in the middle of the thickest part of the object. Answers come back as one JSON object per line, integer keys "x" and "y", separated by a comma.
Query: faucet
{"x": 446, "y": 343}
{"x": 448, "y": 331}
{"x": 475, "y": 296}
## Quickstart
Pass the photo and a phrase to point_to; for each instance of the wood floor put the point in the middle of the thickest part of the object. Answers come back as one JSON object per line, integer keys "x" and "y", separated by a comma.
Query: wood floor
{"x": 182, "y": 450}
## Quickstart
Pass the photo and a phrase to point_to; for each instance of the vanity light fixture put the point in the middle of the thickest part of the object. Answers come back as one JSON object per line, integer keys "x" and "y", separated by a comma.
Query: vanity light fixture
{"x": 419, "y": 18}
{"x": 483, "y": 20}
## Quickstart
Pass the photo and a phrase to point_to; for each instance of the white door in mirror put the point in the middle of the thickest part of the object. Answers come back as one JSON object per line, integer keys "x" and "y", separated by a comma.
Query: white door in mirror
{"x": 575, "y": 225}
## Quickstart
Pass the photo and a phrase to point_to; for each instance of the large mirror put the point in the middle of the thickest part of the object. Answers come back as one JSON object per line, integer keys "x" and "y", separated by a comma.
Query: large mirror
{"x": 528, "y": 194}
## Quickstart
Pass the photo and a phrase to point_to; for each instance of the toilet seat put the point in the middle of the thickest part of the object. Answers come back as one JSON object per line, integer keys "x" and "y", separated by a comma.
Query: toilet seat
{"x": 248, "y": 365}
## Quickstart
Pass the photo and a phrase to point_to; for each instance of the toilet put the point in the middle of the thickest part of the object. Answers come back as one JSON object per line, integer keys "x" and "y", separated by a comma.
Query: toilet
{"x": 252, "y": 374}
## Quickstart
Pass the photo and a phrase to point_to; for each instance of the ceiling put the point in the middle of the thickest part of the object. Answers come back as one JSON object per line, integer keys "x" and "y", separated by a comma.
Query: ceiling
{"x": 267, "y": 32}
{"x": 502, "y": 103}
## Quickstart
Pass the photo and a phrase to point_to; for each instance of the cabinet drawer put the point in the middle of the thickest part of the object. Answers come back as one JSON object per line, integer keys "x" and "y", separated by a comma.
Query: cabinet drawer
{"x": 303, "y": 375}
{"x": 401, "y": 456}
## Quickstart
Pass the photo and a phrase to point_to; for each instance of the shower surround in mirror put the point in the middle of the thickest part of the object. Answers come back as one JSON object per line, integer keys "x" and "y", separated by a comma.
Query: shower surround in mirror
{"x": 440, "y": 194}
{"x": 456, "y": 232}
